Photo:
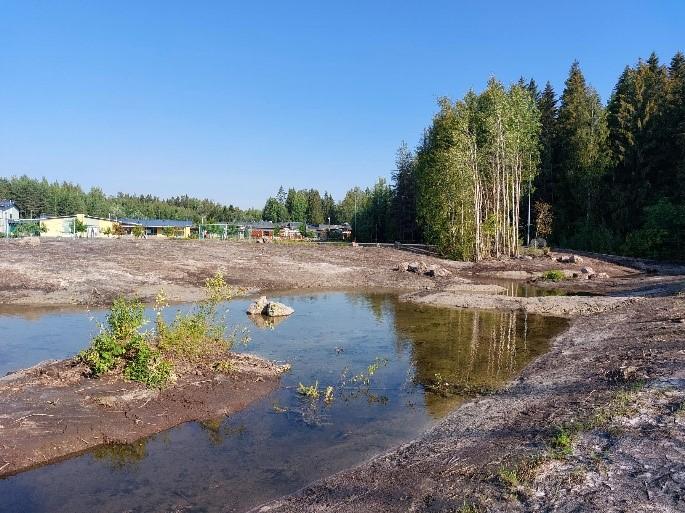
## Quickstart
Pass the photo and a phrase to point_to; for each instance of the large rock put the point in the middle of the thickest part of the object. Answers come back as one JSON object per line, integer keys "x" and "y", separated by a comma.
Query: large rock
{"x": 403, "y": 267}
{"x": 258, "y": 307}
{"x": 587, "y": 270}
{"x": 435, "y": 270}
{"x": 570, "y": 259}
{"x": 417, "y": 267}
{"x": 274, "y": 309}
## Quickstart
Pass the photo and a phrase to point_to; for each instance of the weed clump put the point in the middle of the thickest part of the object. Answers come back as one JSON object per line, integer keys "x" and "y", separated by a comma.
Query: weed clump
{"x": 554, "y": 275}
{"x": 309, "y": 391}
{"x": 148, "y": 356}
{"x": 562, "y": 443}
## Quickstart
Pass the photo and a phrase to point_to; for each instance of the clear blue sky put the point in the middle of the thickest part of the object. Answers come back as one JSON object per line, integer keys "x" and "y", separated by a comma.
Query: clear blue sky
{"x": 229, "y": 100}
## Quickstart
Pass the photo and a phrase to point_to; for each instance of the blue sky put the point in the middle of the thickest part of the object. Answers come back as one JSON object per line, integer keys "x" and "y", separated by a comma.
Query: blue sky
{"x": 230, "y": 100}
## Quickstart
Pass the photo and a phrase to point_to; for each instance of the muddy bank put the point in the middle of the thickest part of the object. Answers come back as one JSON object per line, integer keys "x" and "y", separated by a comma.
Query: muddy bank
{"x": 51, "y": 411}
{"x": 558, "y": 306}
{"x": 613, "y": 383}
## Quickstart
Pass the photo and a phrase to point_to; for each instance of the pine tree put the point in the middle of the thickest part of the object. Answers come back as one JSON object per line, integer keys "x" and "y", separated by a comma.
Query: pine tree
{"x": 404, "y": 197}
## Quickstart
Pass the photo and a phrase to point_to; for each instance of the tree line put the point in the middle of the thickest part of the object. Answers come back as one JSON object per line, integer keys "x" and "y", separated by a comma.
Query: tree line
{"x": 491, "y": 169}
{"x": 36, "y": 197}
{"x": 511, "y": 162}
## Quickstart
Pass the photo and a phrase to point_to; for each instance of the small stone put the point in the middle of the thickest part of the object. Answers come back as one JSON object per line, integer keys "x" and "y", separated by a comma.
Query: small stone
{"x": 275, "y": 309}
{"x": 258, "y": 306}
{"x": 587, "y": 270}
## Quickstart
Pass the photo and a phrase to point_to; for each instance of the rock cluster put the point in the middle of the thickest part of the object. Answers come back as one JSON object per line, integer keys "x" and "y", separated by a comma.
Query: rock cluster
{"x": 421, "y": 268}
{"x": 570, "y": 259}
{"x": 269, "y": 308}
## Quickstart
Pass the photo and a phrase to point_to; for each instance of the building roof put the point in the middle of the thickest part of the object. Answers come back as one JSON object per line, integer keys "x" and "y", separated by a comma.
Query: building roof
{"x": 262, "y": 225}
{"x": 155, "y": 223}
{"x": 7, "y": 204}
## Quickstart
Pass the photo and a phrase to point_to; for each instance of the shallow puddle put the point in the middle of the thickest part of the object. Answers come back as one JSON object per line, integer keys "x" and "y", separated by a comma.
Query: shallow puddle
{"x": 396, "y": 368}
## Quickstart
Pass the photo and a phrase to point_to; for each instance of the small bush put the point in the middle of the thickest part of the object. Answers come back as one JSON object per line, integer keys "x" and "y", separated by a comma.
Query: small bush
{"x": 111, "y": 344}
{"x": 103, "y": 354}
{"x": 562, "y": 442}
{"x": 554, "y": 275}
{"x": 509, "y": 477}
{"x": 147, "y": 357}
{"x": 146, "y": 365}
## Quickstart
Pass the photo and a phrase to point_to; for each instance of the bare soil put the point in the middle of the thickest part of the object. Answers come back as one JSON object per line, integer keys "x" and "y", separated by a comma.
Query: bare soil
{"x": 95, "y": 271}
{"x": 53, "y": 410}
{"x": 614, "y": 381}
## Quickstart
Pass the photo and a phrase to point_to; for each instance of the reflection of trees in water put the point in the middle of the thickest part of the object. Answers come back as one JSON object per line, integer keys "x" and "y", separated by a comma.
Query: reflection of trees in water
{"x": 379, "y": 304}
{"x": 467, "y": 349}
{"x": 120, "y": 456}
{"x": 218, "y": 431}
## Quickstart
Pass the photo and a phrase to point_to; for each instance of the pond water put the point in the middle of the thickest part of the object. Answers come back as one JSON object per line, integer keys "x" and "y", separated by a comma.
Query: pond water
{"x": 285, "y": 441}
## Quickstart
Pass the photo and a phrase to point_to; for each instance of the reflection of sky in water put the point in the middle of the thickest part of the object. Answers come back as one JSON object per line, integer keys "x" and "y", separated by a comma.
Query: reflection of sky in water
{"x": 282, "y": 442}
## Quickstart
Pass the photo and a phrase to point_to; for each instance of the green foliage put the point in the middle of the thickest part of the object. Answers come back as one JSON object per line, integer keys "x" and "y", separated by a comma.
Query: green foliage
{"x": 146, "y": 365}
{"x": 274, "y": 211}
{"x": 121, "y": 330}
{"x": 169, "y": 231}
{"x": 34, "y": 197}
{"x": 470, "y": 169}
{"x": 296, "y": 205}
{"x": 562, "y": 443}
{"x": 78, "y": 226}
{"x": 28, "y": 229}
{"x": 554, "y": 275}
{"x": 661, "y": 235}
{"x": 138, "y": 231}
{"x": 509, "y": 477}
{"x": 148, "y": 357}
{"x": 104, "y": 353}
{"x": 309, "y": 391}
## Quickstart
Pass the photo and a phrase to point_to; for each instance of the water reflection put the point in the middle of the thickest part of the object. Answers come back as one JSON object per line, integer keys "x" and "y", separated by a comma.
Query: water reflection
{"x": 286, "y": 441}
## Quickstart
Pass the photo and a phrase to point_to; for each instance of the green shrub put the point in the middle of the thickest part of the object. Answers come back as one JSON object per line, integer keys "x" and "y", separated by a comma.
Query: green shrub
{"x": 109, "y": 346}
{"x": 562, "y": 442}
{"x": 103, "y": 354}
{"x": 554, "y": 275}
{"x": 147, "y": 357}
{"x": 146, "y": 365}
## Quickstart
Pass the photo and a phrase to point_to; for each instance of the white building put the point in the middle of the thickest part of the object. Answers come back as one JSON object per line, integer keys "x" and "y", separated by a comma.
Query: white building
{"x": 8, "y": 212}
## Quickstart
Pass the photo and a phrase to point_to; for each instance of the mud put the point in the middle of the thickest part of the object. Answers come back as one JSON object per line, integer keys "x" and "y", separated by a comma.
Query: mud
{"x": 52, "y": 410}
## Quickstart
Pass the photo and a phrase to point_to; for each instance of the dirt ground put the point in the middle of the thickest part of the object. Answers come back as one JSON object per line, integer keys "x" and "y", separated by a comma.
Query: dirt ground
{"x": 93, "y": 272}
{"x": 596, "y": 424}
{"x": 52, "y": 411}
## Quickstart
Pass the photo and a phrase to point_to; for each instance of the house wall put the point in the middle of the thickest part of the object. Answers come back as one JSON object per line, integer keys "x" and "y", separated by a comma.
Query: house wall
{"x": 62, "y": 226}
{"x": 5, "y": 215}
{"x": 159, "y": 232}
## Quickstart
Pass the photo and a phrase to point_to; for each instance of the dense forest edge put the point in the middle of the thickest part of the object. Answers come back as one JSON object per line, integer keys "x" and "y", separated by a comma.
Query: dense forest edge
{"x": 492, "y": 170}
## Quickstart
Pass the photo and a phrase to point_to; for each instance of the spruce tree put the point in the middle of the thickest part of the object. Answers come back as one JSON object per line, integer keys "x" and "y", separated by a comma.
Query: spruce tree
{"x": 582, "y": 158}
